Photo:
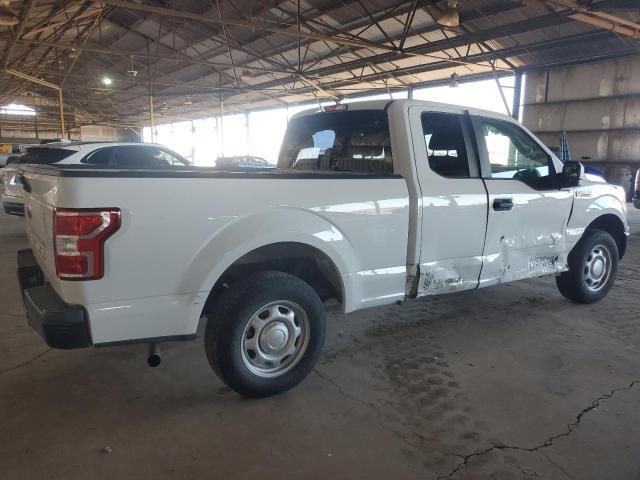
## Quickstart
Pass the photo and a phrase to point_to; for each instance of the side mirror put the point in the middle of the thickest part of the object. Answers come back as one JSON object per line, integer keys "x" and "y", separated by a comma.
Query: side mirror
{"x": 572, "y": 173}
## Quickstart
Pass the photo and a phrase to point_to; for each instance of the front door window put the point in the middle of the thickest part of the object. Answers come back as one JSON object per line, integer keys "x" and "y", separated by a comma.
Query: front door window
{"x": 513, "y": 154}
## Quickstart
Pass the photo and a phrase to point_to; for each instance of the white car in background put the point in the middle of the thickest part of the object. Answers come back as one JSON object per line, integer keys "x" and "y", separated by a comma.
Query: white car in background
{"x": 118, "y": 155}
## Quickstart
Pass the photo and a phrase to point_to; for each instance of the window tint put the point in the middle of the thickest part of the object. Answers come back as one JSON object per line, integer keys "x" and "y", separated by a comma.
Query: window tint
{"x": 163, "y": 156}
{"x": 139, "y": 157}
{"x": 45, "y": 156}
{"x": 345, "y": 141}
{"x": 444, "y": 140}
{"x": 514, "y": 154}
{"x": 99, "y": 157}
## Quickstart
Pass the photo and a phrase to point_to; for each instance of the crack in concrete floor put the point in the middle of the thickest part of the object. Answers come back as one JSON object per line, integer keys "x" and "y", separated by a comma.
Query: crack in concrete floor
{"x": 28, "y": 362}
{"x": 547, "y": 443}
{"x": 372, "y": 406}
{"x": 466, "y": 458}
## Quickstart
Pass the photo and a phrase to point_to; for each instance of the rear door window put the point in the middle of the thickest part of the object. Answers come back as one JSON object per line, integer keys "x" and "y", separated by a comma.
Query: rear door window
{"x": 345, "y": 141}
{"x": 45, "y": 156}
{"x": 445, "y": 143}
{"x": 165, "y": 158}
{"x": 144, "y": 157}
{"x": 100, "y": 157}
{"x": 132, "y": 157}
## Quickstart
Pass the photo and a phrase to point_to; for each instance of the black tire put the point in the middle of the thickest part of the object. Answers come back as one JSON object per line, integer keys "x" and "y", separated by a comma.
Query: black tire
{"x": 229, "y": 324}
{"x": 574, "y": 284}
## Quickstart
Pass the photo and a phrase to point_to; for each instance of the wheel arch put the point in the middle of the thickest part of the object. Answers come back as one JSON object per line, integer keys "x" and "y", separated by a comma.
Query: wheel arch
{"x": 612, "y": 224}
{"x": 304, "y": 261}
{"x": 271, "y": 232}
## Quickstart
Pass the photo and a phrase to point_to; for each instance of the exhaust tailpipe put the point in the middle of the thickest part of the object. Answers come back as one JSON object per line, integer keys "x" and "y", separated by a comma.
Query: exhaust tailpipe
{"x": 154, "y": 359}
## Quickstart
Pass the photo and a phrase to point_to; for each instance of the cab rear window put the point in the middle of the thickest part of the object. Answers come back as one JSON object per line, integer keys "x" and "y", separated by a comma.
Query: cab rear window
{"x": 344, "y": 141}
{"x": 45, "y": 156}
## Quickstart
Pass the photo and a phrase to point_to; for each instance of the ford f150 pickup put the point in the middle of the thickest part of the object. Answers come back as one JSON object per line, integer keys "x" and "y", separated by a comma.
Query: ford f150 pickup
{"x": 371, "y": 204}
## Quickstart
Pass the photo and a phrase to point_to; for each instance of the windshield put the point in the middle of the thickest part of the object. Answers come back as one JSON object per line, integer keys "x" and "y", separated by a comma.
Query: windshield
{"x": 45, "y": 156}
{"x": 345, "y": 141}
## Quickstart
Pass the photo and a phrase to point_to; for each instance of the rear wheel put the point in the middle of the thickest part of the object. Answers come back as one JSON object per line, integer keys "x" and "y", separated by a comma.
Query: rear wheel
{"x": 593, "y": 266}
{"x": 265, "y": 334}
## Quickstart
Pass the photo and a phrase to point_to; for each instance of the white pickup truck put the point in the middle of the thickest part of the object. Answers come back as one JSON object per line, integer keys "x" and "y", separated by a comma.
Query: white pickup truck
{"x": 371, "y": 204}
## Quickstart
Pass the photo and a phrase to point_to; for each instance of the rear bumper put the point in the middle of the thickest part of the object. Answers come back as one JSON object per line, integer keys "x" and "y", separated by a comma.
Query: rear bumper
{"x": 13, "y": 208}
{"x": 60, "y": 325}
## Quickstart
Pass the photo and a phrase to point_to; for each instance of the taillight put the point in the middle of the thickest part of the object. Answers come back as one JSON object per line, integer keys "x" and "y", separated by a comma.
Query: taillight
{"x": 638, "y": 180}
{"x": 78, "y": 240}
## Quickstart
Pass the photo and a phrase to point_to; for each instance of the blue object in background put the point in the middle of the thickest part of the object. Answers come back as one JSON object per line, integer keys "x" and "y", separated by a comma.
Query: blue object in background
{"x": 564, "y": 154}
{"x": 563, "y": 151}
{"x": 593, "y": 171}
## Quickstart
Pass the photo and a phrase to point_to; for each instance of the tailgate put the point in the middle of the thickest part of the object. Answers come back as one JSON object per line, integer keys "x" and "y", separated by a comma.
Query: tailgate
{"x": 39, "y": 195}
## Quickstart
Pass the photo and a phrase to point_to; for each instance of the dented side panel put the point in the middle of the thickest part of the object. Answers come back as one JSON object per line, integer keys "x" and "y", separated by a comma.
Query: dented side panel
{"x": 530, "y": 240}
{"x": 454, "y": 218}
{"x": 447, "y": 276}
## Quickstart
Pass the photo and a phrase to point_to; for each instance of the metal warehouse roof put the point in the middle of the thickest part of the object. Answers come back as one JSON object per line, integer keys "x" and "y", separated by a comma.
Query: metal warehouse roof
{"x": 194, "y": 54}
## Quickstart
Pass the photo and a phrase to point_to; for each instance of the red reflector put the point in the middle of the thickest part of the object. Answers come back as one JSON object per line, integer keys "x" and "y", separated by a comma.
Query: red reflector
{"x": 69, "y": 223}
{"x": 78, "y": 238}
{"x": 72, "y": 264}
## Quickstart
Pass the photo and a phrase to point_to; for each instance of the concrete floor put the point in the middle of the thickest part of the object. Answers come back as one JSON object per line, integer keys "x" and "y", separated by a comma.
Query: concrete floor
{"x": 511, "y": 382}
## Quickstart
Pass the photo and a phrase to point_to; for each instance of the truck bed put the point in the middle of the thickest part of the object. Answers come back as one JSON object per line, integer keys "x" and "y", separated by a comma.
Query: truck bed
{"x": 182, "y": 227}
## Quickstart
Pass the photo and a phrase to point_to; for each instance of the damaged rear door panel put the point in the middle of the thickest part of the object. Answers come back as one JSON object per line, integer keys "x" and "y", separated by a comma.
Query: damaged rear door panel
{"x": 453, "y": 200}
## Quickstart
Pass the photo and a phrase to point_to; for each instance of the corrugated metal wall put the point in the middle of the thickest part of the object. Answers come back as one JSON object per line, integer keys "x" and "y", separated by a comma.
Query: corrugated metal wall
{"x": 598, "y": 105}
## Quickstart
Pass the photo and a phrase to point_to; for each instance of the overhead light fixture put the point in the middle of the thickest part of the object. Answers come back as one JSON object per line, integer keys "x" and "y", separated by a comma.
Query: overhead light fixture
{"x": 449, "y": 16}
{"x": 8, "y": 18}
{"x": 131, "y": 71}
{"x": 453, "y": 81}
{"x": 107, "y": 81}
{"x": 188, "y": 101}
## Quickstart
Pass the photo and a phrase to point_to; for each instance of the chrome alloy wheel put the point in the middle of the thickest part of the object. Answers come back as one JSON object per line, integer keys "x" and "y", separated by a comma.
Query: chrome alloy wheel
{"x": 597, "y": 268}
{"x": 275, "y": 338}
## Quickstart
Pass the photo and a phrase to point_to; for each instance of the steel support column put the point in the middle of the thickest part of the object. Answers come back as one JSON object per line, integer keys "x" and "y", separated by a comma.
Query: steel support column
{"x": 517, "y": 89}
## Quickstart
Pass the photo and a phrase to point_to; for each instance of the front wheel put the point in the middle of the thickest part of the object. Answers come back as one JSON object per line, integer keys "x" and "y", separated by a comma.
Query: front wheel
{"x": 593, "y": 266}
{"x": 265, "y": 334}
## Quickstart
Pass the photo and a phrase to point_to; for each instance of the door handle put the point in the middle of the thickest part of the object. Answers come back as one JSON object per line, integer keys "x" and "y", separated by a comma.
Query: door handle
{"x": 502, "y": 204}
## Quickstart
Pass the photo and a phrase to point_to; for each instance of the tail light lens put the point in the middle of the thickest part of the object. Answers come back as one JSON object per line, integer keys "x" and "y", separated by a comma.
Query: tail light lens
{"x": 78, "y": 238}
{"x": 638, "y": 180}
